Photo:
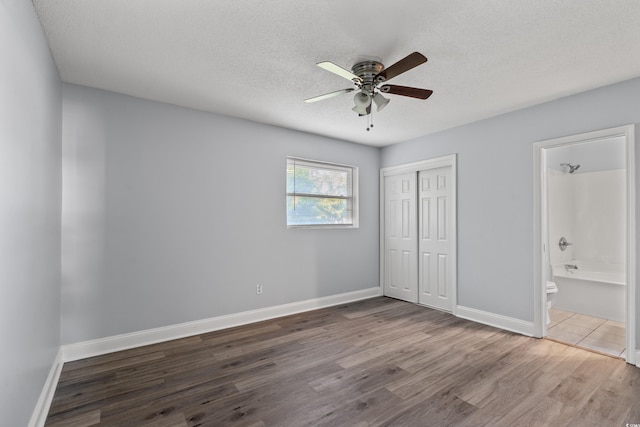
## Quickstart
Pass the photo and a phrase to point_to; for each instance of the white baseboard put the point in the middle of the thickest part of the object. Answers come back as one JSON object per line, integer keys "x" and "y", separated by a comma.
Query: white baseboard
{"x": 637, "y": 361}
{"x": 496, "y": 320}
{"x": 40, "y": 412}
{"x": 81, "y": 350}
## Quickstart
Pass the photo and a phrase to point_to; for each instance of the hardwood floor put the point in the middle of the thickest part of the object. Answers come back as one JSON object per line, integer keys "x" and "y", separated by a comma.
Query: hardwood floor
{"x": 379, "y": 362}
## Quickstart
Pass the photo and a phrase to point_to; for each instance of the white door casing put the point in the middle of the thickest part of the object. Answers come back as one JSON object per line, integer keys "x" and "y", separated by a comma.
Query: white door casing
{"x": 434, "y": 243}
{"x": 400, "y": 237}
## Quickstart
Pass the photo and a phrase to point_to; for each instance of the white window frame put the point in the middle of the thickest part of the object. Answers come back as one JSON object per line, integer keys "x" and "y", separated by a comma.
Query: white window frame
{"x": 352, "y": 199}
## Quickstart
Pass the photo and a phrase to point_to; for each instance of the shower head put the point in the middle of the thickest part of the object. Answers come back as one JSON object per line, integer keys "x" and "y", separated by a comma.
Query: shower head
{"x": 572, "y": 168}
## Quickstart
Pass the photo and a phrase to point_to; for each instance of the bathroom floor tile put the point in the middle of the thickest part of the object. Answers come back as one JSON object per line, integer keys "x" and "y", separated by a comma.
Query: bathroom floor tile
{"x": 559, "y": 315}
{"x": 604, "y": 336}
{"x": 597, "y": 344}
{"x": 610, "y": 329}
{"x": 572, "y": 328}
{"x": 568, "y": 337}
{"x": 614, "y": 323}
{"x": 607, "y": 338}
{"x": 585, "y": 321}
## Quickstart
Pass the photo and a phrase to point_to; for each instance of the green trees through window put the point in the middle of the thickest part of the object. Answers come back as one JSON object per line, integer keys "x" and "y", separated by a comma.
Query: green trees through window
{"x": 319, "y": 193}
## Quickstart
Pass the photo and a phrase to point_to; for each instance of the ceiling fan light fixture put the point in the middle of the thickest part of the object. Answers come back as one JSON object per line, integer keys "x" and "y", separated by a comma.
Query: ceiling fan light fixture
{"x": 380, "y": 101}
{"x": 362, "y": 111}
{"x": 362, "y": 101}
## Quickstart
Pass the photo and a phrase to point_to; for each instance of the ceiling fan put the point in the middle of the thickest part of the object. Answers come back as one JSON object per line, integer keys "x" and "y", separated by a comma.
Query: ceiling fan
{"x": 369, "y": 79}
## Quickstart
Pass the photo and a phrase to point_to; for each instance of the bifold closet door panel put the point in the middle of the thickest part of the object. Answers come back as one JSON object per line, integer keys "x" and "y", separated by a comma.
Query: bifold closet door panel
{"x": 401, "y": 237}
{"x": 435, "y": 222}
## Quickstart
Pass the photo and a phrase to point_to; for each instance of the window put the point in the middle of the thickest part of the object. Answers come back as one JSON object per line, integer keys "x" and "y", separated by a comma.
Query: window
{"x": 321, "y": 194}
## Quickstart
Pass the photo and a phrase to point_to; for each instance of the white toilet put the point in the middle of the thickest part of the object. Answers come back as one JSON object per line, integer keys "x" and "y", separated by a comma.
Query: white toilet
{"x": 552, "y": 288}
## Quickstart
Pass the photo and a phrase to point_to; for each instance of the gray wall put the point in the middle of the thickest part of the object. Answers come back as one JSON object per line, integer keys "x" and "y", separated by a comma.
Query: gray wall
{"x": 495, "y": 188}
{"x": 173, "y": 215}
{"x": 30, "y": 182}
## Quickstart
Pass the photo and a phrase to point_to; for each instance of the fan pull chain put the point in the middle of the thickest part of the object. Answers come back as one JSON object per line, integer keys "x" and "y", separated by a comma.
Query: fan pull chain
{"x": 369, "y": 121}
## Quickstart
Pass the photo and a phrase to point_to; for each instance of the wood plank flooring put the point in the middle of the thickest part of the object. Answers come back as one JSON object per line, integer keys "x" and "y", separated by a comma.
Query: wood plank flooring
{"x": 379, "y": 362}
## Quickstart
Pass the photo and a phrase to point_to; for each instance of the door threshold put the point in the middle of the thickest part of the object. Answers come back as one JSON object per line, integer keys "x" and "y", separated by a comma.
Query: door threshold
{"x": 602, "y": 353}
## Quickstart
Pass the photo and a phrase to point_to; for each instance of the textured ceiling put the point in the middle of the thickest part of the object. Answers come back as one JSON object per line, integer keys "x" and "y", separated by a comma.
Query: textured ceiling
{"x": 256, "y": 59}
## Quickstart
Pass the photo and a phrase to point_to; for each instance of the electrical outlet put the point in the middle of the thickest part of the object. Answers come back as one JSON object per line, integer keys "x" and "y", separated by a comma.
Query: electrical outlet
{"x": 258, "y": 289}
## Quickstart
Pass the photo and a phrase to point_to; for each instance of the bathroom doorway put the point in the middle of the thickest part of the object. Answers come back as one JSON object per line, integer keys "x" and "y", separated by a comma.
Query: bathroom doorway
{"x": 584, "y": 241}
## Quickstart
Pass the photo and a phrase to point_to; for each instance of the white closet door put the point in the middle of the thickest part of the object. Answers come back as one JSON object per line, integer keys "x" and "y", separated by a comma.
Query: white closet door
{"x": 436, "y": 220}
{"x": 400, "y": 239}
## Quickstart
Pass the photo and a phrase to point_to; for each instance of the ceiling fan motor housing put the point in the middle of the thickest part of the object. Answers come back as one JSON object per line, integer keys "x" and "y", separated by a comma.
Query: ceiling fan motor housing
{"x": 367, "y": 70}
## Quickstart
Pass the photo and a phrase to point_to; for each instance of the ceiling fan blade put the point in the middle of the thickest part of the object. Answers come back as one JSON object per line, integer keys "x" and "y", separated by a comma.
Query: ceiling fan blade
{"x": 336, "y": 69}
{"x": 405, "y": 64}
{"x": 328, "y": 95}
{"x": 412, "y": 92}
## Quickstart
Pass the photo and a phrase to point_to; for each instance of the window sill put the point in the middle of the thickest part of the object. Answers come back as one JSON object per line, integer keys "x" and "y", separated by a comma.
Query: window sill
{"x": 323, "y": 226}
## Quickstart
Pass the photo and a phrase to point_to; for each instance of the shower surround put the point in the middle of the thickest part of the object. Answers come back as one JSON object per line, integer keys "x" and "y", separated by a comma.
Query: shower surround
{"x": 589, "y": 210}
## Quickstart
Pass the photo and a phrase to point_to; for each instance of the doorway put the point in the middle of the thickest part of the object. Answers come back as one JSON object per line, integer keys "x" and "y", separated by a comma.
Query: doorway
{"x": 418, "y": 232}
{"x": 584, "y": 232}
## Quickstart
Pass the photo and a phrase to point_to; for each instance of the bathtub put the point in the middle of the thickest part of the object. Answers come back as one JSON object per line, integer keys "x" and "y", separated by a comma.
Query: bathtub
{"x": 595, "y": 288}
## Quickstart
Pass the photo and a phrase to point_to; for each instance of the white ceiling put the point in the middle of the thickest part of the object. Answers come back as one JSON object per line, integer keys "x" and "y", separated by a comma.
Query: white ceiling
{"x": 256, "y": 59}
